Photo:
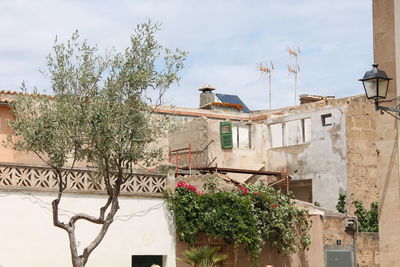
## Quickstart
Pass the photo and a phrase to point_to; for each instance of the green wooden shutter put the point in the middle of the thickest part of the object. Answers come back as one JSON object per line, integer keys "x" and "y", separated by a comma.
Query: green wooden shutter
{"x": 226, "y": 134}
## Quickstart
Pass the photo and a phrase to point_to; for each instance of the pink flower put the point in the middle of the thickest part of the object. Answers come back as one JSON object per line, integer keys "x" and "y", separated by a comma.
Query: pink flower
{"x": 243, "y": 189}
{"x": 187, "y": 186}
{"x": 275, "y": 206}
{"x": 181, "y": 184}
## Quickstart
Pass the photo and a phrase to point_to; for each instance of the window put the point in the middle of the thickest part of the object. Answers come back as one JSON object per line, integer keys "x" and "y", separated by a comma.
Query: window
{"x": 290, "y": 133}
{"x": 276, "y": 131}
{"x": 306, "y": 130}
{"x": 293, "y": 133}
{"x": 226, "y": 134}
{"x": 235, "y": 135}
{"x": 326, "y": 119}
{"x": 242, "y": 136}
{"x": 147, "y": 260}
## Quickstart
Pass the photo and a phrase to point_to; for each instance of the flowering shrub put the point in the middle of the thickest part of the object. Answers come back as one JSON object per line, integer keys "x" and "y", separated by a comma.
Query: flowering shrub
{"x": 250, "y": 216}
{"x": 243, "y": 189}
{"x": 189, "y": 187}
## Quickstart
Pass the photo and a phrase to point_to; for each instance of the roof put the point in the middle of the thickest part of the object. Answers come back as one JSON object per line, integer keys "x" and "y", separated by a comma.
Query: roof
{"x": 233, "y": 99}
{"x": 8, "y": 97}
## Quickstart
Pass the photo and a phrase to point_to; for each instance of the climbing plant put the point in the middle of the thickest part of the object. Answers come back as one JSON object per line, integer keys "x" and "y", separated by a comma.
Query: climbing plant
{"x": 250, "y": 216}
{"x": 367, "y": 219}
{"x": 341, "y": 205}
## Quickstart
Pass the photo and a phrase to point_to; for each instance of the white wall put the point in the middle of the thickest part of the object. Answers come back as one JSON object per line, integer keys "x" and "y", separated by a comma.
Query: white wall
{"x": 28, "y": 237}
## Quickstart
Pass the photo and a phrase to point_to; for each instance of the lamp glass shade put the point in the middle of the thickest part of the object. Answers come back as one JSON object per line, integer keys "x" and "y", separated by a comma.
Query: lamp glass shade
{"x": 376, "y": 83}
{"x": 383, "y": 86}
{"x": 370, "y": 87}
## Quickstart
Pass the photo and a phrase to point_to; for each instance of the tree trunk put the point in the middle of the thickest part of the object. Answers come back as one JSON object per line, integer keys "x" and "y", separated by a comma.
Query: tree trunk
{"x": 77, "y": 262}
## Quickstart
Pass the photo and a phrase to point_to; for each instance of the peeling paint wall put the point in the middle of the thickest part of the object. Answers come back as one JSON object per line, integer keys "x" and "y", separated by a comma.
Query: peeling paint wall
{"x": 193, "y": 132}
{"x": 199, "y": 132}
{"x": 239, "y": 157}
{"x": 322, "y": 157}
{"x": 331, "y": 143}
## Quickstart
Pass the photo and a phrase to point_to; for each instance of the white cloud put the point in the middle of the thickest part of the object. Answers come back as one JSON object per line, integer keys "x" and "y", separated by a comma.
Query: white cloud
{"x": 226, "y": 39}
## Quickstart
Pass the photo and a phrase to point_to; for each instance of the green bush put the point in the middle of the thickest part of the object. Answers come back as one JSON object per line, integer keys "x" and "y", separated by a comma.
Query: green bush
{"x": 250, "y": 216}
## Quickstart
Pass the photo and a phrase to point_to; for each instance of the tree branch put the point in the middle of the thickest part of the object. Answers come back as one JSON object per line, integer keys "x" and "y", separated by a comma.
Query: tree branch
{"x": 107, "y": 222}
{"x": 56, "y": 202}
{"x": 82, "y": 216}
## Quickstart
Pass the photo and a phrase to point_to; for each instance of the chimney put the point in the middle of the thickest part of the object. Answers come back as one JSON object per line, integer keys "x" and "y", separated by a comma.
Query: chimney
{"x": 207, "y": 96}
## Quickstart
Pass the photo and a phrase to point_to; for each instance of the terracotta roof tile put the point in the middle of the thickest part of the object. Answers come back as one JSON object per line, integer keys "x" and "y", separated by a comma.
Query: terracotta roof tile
{"x": 7, "y": 97}
{"x": 5, "y": 100}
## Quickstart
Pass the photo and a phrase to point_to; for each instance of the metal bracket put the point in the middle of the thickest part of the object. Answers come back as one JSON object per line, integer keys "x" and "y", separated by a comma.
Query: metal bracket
{"x": 394, "y": 112}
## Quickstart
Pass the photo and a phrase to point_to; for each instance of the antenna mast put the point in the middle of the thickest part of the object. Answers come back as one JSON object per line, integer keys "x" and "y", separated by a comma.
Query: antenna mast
{"x": 294, "y": 69}
{"x": 265, "y": 69}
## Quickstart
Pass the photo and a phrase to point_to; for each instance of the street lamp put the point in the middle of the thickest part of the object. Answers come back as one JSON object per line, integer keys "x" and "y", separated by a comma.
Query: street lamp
{"x": 376, "y": 84}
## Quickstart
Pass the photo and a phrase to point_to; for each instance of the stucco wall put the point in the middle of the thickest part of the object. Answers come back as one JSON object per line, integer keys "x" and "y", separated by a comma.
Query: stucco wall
{"x": 28, "y": 237}
{"x": 323, "y": 159}
{"x": 201, "y": 131}
{"x": 7, "y": 154}
{"x": 252, "y": 158}
{"x": 193, "y": 132}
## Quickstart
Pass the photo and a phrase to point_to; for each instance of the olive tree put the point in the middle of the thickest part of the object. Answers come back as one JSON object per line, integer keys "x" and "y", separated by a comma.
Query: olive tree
{"x": 99, "y": 112}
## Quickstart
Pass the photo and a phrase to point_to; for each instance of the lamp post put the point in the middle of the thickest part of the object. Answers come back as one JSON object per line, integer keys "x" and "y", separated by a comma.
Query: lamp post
{"x": 376, "y": 84}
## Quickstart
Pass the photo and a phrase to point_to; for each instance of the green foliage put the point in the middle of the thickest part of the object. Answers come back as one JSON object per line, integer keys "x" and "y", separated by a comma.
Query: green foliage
{"x": 250, "y": 216}
{"x": 203, "y": 256}
{"x": 210, "y": 184}
{"x": 316, "y": 203}
{"x": 100, "y": 112}
{"x": 367, "y": 219}
{"x": 341, "y": 205}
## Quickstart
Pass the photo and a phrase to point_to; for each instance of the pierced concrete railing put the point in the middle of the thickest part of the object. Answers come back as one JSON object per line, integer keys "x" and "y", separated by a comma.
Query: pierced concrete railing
{"x": 35, "y": 178}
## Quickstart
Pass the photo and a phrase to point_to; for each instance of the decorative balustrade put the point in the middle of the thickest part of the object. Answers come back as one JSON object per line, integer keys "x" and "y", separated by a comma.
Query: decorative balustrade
{"x": 23, "y": 177}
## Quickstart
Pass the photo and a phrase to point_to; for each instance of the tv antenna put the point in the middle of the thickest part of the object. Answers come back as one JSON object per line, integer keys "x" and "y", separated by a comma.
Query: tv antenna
{"x": 294, "y": 69}
{"x": 266, "y": 69}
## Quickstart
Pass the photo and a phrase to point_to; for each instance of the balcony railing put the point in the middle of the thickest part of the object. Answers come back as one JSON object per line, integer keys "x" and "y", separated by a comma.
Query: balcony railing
{"x": 35, "y": 178}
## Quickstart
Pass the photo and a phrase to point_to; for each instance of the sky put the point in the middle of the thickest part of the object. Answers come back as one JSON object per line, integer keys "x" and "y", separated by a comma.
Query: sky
{"x": 226, "y": 40}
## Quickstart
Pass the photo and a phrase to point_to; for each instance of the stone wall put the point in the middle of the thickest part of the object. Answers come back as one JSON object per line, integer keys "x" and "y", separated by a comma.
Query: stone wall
{"x": 386, "y": 28}
{"x": 361, "y": 152}
{"x": 335, "y": 230}
{"x": 367, "y": 245}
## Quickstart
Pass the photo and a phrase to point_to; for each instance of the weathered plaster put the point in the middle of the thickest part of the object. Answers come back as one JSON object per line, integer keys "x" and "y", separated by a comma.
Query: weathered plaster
{"x": 323, "y": 159}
